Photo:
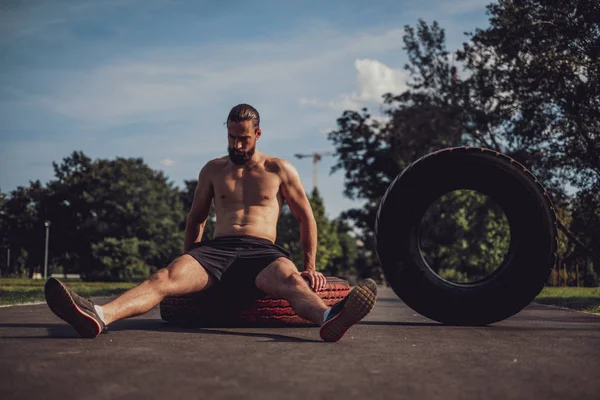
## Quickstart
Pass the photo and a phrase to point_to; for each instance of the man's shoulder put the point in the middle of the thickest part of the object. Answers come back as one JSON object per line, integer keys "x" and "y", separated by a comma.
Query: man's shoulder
{"x": 214, "y": 165}
{"x": 277, "y": 165}
{"x": 216, "y": 162}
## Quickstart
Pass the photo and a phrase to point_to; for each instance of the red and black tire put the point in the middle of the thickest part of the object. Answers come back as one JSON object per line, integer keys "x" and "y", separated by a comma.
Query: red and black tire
{"x": 216, "y": 308}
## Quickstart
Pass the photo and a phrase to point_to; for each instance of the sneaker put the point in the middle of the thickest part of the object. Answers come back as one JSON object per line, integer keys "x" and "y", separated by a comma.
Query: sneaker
{"x": 347, "y": 312}
{"x": 73, "y": 309}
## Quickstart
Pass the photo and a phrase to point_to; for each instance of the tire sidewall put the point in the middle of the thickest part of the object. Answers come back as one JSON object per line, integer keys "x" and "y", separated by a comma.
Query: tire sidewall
{"x": 528, "y": 261}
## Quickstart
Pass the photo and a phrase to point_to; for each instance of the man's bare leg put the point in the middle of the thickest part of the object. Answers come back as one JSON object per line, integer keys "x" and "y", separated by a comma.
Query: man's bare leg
{"x": 282, "y": 279}
{"x": 184, "y": 275}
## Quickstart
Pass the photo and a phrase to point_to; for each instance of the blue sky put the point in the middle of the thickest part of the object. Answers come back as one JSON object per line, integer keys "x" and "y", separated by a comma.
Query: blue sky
{"x": 156, "y": 78}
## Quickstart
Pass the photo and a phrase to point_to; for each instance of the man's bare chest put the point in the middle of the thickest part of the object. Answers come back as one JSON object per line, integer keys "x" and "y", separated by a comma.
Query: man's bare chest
{"x": 248, "y": 187}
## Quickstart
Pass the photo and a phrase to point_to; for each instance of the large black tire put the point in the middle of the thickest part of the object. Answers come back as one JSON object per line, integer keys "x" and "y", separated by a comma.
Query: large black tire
{"x": 220, "y": 307}
{"x": 528, "y": 262}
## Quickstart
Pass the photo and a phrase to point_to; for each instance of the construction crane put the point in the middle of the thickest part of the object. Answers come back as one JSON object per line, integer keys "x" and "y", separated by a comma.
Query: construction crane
{"x": 316, "y": 158}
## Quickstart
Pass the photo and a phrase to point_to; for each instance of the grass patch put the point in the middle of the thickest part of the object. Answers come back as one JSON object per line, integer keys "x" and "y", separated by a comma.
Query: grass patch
{"x": 583, "y": 299}
{"x": 19, "y": 291}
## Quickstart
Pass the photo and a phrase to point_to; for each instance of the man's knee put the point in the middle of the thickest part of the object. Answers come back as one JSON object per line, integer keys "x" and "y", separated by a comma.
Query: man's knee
{"x": 295, "y": 282}
{"x": 166, "y": 279}
{"x": 279, "y": 278}
{"x": 161, "y": 279}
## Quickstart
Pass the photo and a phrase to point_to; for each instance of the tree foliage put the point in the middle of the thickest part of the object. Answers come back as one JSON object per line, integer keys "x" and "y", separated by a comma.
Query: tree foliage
{"x": 89, "y": 202}
{"x": 119, "y": 220}
{"x": 528, "y": 85}
{"x": 464, "y": 236}
{"x": 422, "y": 119}
{"x": 343, "y": 263}
{"x": 22, "y": 226}
{"x": 540, "y": 61}
{"x": 120, "y": 259}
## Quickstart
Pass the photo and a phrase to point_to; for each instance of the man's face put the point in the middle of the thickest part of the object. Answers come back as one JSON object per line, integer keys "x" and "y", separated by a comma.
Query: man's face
{"x": 241, "y": 141}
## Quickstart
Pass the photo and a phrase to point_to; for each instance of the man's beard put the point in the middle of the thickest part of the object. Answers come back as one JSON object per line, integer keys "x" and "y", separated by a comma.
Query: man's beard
{"x": 240, "y": 158}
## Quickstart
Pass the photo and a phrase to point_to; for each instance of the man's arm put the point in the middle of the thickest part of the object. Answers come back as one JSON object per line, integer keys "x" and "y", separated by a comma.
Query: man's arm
{"x": 294, "y": 194}
{"x": 196, "y": 218}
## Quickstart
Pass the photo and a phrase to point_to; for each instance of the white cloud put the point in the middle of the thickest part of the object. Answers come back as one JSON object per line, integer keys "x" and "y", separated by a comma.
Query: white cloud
{"x": 373, "y": 80}
{"x": 168, "y": 162}
{"x": 376, "y": 79}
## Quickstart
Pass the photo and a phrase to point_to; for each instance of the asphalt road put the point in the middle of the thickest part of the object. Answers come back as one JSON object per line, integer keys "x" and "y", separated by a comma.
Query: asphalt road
{"x": 541, "y": 353}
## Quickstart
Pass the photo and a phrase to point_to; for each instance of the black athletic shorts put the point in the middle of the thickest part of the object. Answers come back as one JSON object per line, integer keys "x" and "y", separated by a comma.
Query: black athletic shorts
{"x": 236, "y": 259}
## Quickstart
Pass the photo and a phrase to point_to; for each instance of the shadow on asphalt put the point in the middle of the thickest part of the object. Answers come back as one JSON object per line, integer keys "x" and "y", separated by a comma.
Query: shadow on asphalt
{"x": 64, "y": 331}
{"x": 161, "y": 326}
{"x": 273, "y": 337}
{"x": 54, "y": 331}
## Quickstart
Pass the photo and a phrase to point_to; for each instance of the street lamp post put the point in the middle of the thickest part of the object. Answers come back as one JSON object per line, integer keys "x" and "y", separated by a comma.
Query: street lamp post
{"x": 47, "y": 224}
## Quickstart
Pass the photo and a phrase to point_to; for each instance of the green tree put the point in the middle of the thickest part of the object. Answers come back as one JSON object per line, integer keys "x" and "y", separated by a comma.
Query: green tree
{"x": 344, "y": 265}
{"x": 329, "y": 246}
{"x": 538, "y": 61}
{"x": 426, "y": 117}
{"x": 120, "y": 260}
{"x": 88, "y": 202}
{"x": 529, "y": 88}
{"x": 585, "y": 224}
{"x": 3, "y": 234}
{"x": 23, "y": 229}
{"x": 464, "y": 236}
{"x": 121, "y": 198}
{"x": 288, "y": 236}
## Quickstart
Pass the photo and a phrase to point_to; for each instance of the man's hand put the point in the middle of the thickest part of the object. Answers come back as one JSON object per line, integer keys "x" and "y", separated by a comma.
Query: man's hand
{"x": 316, "y": 279}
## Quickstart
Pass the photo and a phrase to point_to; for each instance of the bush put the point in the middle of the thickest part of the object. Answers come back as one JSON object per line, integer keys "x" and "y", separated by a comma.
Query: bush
{"x": 119, "y": 260}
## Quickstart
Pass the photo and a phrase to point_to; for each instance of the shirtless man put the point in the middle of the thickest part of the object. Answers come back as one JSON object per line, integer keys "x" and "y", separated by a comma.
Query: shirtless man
{"x": 248, "y": 189}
